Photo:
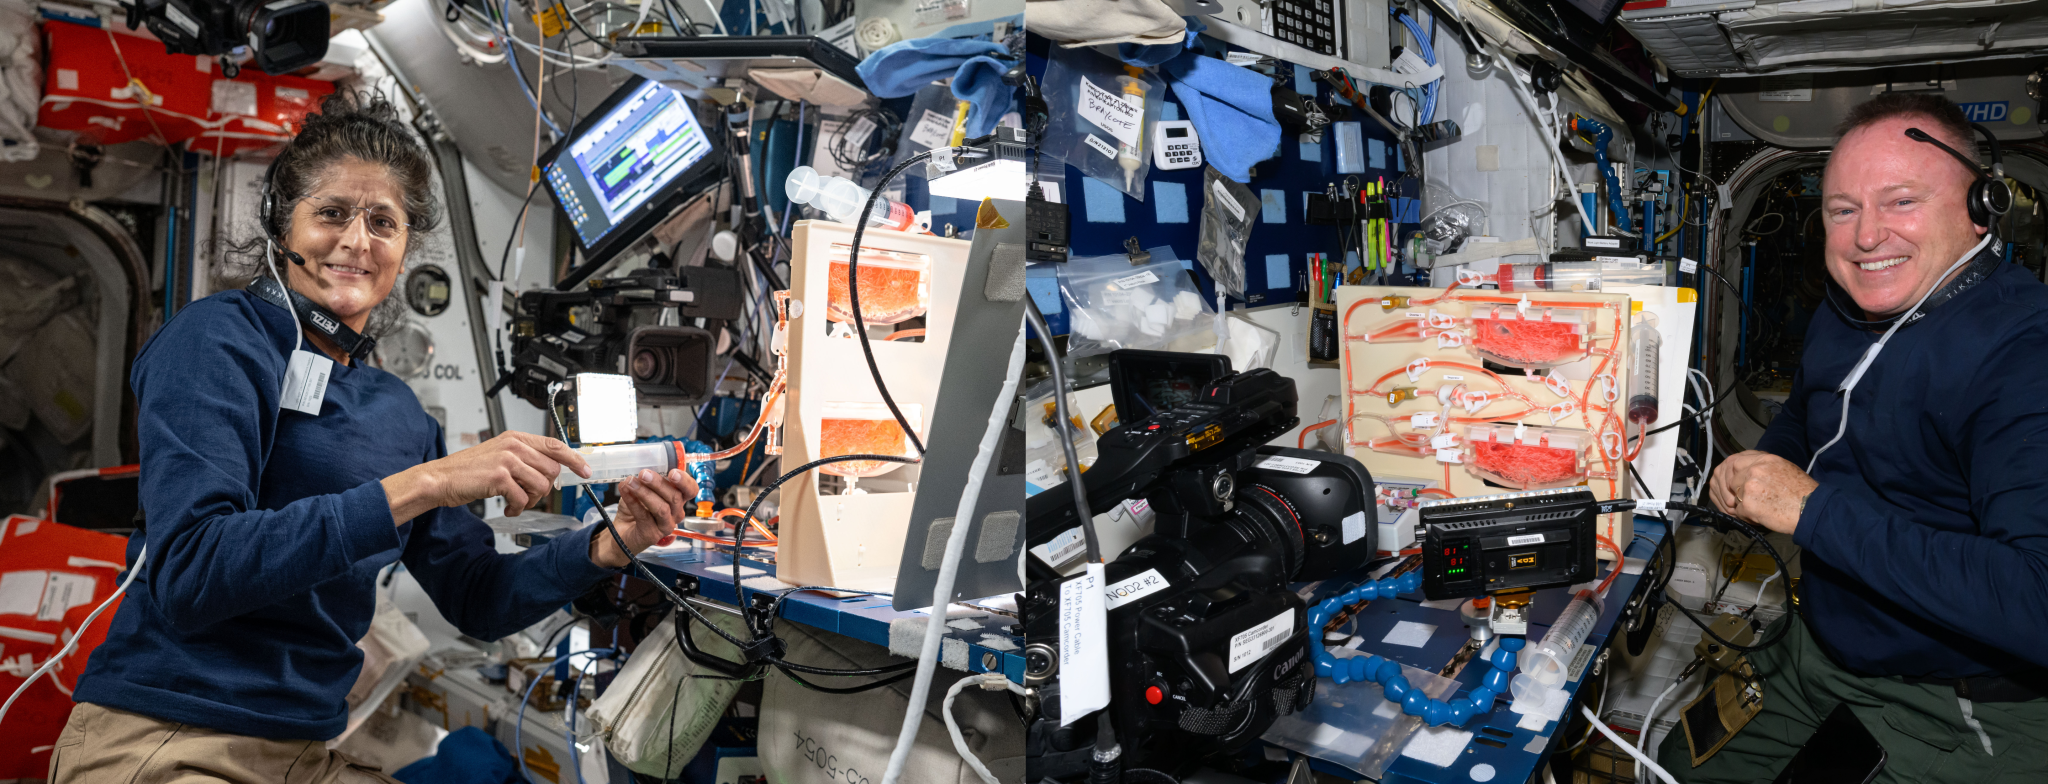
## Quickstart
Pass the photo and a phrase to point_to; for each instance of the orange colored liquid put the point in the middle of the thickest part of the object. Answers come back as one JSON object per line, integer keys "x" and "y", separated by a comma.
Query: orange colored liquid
{"x": 887, "y": 295}
{"x": 1520, "y": 343}
{"x": 1524, "y": 465}
{"x": 860, "y": 437}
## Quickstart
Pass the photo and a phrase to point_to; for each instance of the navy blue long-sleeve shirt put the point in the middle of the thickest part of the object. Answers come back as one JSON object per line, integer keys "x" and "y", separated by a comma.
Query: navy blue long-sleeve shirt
{"x": 266, "y": 530}
{"x": 1926, "y": 544}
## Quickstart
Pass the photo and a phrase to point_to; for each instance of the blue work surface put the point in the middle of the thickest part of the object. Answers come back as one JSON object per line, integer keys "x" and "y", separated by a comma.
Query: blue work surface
{"x": 864, "y": 618}
{"x": 1514, "y": 753}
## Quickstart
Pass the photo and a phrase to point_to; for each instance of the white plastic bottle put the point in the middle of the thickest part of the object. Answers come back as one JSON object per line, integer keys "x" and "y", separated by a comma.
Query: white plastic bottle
{"x": 615, "y": 462}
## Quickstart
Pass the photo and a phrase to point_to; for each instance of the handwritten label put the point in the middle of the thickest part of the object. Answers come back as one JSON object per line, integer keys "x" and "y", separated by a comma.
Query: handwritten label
{"x": 1688, "y": 266}
{"x": 932, "y": 130}
{"x": 1121, "y": 115}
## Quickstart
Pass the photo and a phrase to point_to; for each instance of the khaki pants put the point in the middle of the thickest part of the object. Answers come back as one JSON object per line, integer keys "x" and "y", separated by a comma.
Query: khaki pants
{"x": 102, "y": 745}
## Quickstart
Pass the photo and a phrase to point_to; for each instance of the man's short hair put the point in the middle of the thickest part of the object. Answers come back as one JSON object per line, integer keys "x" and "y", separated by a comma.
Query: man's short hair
{"x": 1947, "y": 120}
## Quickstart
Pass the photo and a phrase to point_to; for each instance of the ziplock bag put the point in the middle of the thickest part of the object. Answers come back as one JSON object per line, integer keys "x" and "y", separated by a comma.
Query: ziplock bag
{"x": 1114, "y": 304}
{"x": 1102, "y": 116}
{"x": 1228, "y": 210}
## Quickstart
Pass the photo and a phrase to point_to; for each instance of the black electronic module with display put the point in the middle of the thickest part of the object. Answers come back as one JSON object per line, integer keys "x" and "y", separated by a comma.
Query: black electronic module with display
{"x": 1486, "y": 544}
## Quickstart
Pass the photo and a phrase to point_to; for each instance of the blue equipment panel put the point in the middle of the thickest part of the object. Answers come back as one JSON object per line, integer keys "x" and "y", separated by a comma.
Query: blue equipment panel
{"x": 1276, "y": 257}
{"x": 1514, "y": 753}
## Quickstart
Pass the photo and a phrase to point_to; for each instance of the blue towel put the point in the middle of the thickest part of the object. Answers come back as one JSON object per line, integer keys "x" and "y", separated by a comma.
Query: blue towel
{"x": 976, "y": 68}
{"x": 467, "y": 756}
{"x": 1223, "y": 101}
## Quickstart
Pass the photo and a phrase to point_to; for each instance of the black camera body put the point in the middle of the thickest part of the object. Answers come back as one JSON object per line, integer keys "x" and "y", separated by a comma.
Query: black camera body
{"x": 1207, "y": 643}
{"x": 615, "y": 325}
{"x": 284, "y": 35}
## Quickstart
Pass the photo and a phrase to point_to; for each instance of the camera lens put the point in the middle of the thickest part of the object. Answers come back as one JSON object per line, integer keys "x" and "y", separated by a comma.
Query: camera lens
{"x": 648, "y": 365}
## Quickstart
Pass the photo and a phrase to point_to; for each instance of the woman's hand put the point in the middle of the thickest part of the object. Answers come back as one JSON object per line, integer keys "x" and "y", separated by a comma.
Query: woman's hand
{"x": 519, "y": 466}
{"x": 649, "y": 508}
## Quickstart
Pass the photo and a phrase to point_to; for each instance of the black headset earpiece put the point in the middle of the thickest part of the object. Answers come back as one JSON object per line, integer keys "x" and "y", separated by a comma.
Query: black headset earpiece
{"x": 268, "y": 217}
{"x": 1989, "y": 197}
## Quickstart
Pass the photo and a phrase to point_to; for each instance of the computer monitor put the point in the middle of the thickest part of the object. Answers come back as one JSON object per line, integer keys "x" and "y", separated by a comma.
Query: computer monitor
{"x": 630, "y": 162}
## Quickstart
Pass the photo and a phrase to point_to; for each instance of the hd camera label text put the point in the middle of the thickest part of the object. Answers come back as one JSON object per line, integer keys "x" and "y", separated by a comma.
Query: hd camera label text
{"x": 1134, "y": 588}
{"x": 1249, "y": 646}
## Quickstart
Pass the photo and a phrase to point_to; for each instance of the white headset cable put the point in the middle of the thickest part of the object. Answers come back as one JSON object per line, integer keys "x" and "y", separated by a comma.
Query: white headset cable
{"x": 1870, "y": 355}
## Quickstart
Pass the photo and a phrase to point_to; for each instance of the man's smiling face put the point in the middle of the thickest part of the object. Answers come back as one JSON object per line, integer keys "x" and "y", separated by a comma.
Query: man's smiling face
{"x": 1896, "y": 213}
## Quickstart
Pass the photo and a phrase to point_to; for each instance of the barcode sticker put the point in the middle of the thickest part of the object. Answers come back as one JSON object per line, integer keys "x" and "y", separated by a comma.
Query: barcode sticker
{"x": 1525, "y": 539}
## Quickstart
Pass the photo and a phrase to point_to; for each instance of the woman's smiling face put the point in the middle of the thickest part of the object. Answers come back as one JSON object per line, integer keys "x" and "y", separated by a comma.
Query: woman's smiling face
{"x": 350, "y": 228}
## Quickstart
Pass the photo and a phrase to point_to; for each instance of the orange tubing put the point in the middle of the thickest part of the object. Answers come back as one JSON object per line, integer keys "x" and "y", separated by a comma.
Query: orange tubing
{"x": 1618, "y": 558}
{"x": 1437, "y": 491}
{"x": 1302, "y": 441}
{"x": 767, "y": 404}
{"x": 905, "y": 333}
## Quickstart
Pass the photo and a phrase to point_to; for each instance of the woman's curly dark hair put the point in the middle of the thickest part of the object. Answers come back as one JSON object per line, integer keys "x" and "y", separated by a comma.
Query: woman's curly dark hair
{"x": 359, "y": 125}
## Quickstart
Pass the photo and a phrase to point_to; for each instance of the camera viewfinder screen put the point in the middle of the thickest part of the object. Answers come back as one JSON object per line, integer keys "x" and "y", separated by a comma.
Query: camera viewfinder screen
{"x": 629, "y": 156}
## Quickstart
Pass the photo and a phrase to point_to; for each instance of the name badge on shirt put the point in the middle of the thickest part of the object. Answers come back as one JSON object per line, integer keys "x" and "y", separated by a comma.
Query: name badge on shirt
{"x": 305, "y": 382}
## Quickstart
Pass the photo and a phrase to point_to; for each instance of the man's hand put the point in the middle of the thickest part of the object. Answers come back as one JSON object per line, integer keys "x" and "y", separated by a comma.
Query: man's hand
{"x": 650, "y": 505}
{"x": 1762, "y": 488}
{"x": 519, "y": 466}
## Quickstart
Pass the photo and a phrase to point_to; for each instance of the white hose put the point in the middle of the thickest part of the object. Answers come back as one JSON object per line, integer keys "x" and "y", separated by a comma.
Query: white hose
{"x": 1620, "y": 744}
{"x": 1761, "y": 586}
{"x": 1551, "y": 136}
{"x": 72, "y": 645}
{"x": 1869, "y": 356}
{"x": 1650, "y": 719}
{"x": 949, "y": 568}
{"x": 960, "y": 742}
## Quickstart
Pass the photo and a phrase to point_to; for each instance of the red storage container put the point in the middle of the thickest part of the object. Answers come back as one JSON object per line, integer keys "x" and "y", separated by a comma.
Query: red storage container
{"x": 86, "y": 90}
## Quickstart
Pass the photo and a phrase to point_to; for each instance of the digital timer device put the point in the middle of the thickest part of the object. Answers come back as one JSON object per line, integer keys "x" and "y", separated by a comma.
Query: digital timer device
{"x": 1175, "y": 145}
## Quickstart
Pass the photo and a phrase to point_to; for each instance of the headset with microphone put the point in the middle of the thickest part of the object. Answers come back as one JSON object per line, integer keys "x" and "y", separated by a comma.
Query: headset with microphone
{"x": 356, "y": 344}
{"x": 1989, "y": 198}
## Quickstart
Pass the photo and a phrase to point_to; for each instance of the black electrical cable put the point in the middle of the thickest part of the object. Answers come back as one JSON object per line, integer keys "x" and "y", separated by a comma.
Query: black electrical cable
{"x": 1780, "y": 629}
{"x": 1059, "y": 396}
{"x": 860, "y": 326}
{"x": 506, "y": 254}
{"x": 605, "y": 521}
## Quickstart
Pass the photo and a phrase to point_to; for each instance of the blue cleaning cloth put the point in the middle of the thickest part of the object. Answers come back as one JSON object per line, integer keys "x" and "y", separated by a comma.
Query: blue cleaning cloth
{"x": 1223, "y": 101}
{"x": 976, "y": 68}
{"x": 467, "y": 756}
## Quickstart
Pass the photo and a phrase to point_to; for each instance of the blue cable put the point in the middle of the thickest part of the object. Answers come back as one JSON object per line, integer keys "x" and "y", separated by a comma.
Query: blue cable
{"x": 1428, "y": 53}
{"x": 512, "y": 57}
{"x": 519, "y": 724}
{"x": 1387, "y": 673}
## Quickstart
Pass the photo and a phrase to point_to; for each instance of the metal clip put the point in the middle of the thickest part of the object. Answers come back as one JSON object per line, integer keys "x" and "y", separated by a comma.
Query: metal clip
{"x": 1139, "y": 255}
